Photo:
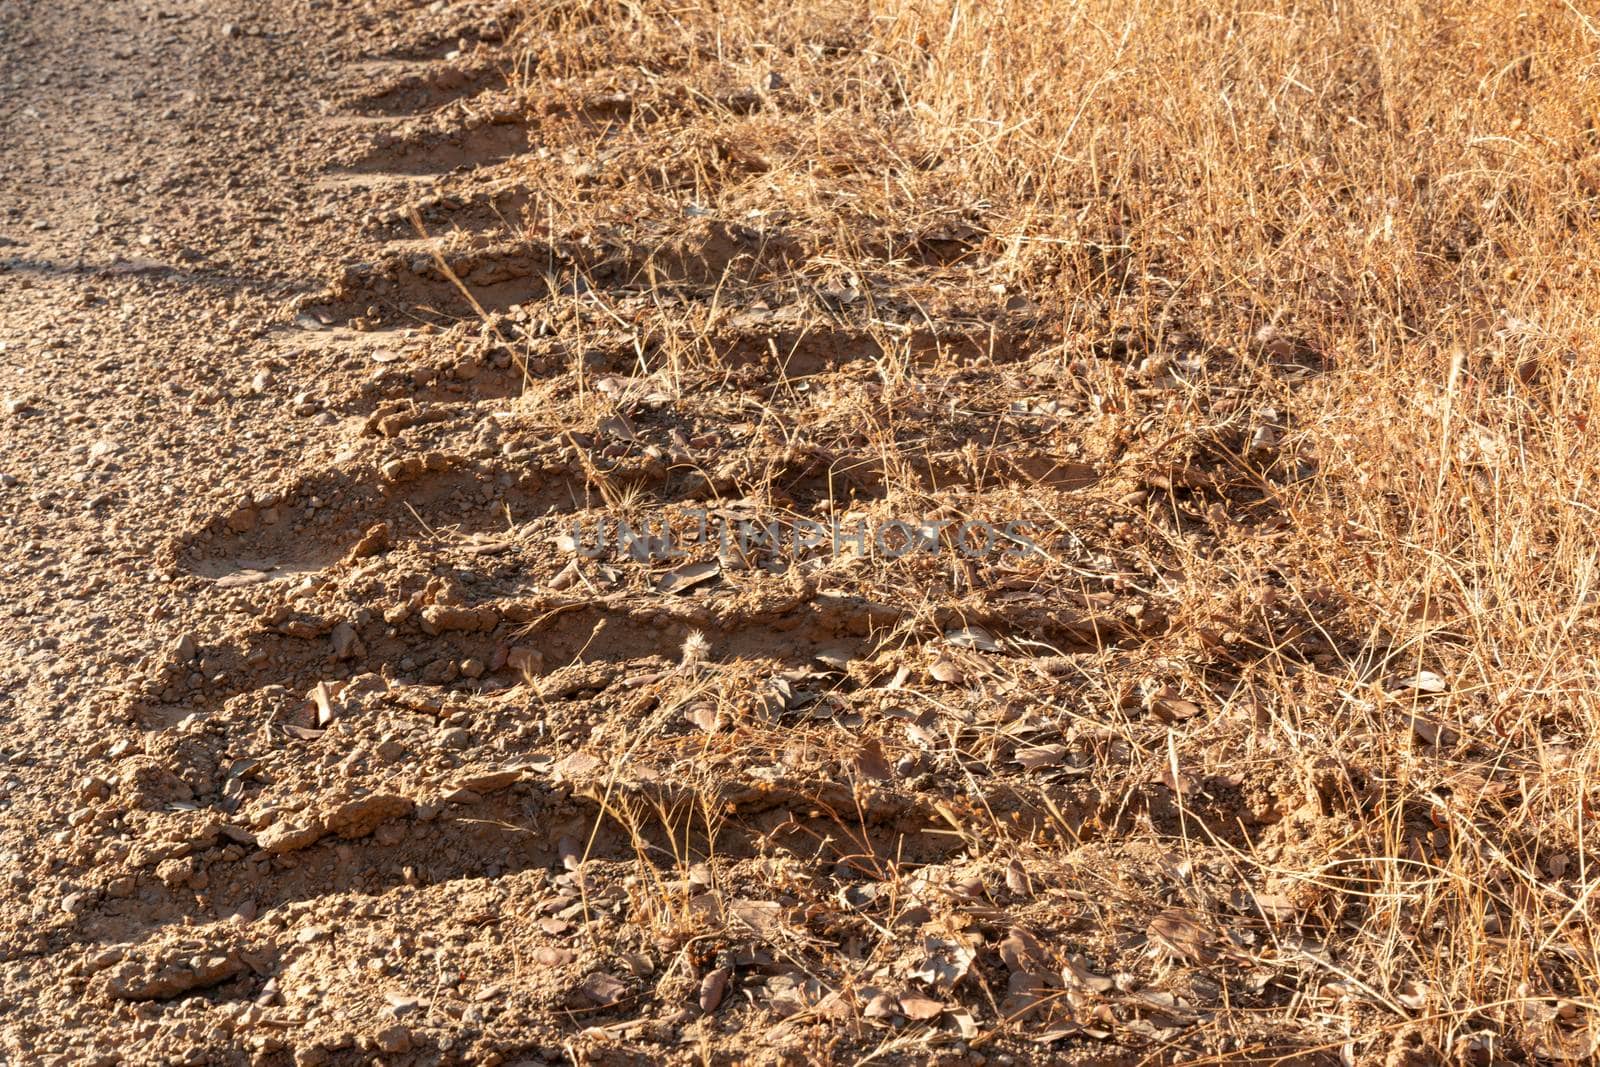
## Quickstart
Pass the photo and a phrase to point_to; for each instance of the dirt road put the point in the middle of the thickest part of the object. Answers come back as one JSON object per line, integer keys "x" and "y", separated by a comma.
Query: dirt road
{"x": 170, "y": 187}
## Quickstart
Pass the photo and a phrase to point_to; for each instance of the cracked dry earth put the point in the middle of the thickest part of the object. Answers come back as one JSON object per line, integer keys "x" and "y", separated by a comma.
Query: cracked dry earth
{"x": 323, "y": 742}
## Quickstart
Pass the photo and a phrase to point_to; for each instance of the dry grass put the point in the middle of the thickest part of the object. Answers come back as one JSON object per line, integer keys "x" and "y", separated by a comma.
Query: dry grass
{"x": 1324, "y": 277}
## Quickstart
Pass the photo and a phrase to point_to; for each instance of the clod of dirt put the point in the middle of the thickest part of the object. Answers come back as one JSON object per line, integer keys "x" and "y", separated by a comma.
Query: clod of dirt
{"x": 151, "y": 977}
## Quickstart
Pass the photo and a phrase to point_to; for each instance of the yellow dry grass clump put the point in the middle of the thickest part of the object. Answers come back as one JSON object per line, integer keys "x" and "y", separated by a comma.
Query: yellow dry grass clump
{"x": 1410, "y": 193}
{"x": 1357, "y": 238}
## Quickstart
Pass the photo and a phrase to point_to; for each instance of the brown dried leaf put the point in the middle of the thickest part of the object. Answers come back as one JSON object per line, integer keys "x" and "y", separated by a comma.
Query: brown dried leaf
{"x": 1275, "y": 905}
{"x": 687, "y": 577}
{"x": 944, "y": 962}
{"x": 920, "y": 1008}
{"x": 1169, "y": 706}
{"x": 1421, "y": 682}
{"x": 946, "y": 670}
{"x": 1078, "y": 975}
{"x": 1041, "y": 757}
{"x": 1021, "y": 951}
{"x": 1177, "y": 933}
{"x": 881, "y": 1005}
{"x": 704, "y": 715}
{"x": 975, "y": 637}
{"x": 765, "y": 917}
{"x": 1177, "y": 781}
{"x": 1017, "y": 879}
{"x": 602, "y": 989}
{"x": 870, "y": 763}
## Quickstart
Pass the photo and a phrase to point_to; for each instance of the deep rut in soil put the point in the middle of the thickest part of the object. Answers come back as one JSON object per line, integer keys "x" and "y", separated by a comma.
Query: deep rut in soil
{"x": 412, "y": 750}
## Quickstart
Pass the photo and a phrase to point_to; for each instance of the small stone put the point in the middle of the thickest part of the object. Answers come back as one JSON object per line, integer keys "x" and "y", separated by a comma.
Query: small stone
{"x": 455, "y": 737}
{"x": 231, "y": 31}
{"x": 713, "y": 988}
{"x": 401, "y": 1003}
{"x": 601, "y": 990}
{"x": 286, "y": 837}
{"x": 243, "y": 520}
{"x": 94, "y": 788}
{"x": 376, "y": 539}
{"x": 395, "y": 470}
{"x": 393, "y": 1040}
{"x": 261, "y": 382}
{"x": 324, "y": 698}
{"x": 529, "y": 662}
{"x": 550, "y": 956}
{"x": 109, "y": 957}
{"x": 75, "y": 903}
{"x": 357, "y": 818}
{"x": 346, "y": 643}
{"x": 161, "y": 979}
{"x": 443, "y": 618}
{"x": 490, "y": 781}
{"x": 472, "y": 667}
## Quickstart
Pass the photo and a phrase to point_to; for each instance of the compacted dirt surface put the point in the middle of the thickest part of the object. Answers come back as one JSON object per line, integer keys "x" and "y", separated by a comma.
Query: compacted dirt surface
{"x": 176, "y": 176}
{"x": 496, "y": 572}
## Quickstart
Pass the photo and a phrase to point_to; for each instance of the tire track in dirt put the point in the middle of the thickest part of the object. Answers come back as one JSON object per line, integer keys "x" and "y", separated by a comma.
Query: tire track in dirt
{"x": 405, "y": 705}
{"x": 469, "y": 496}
